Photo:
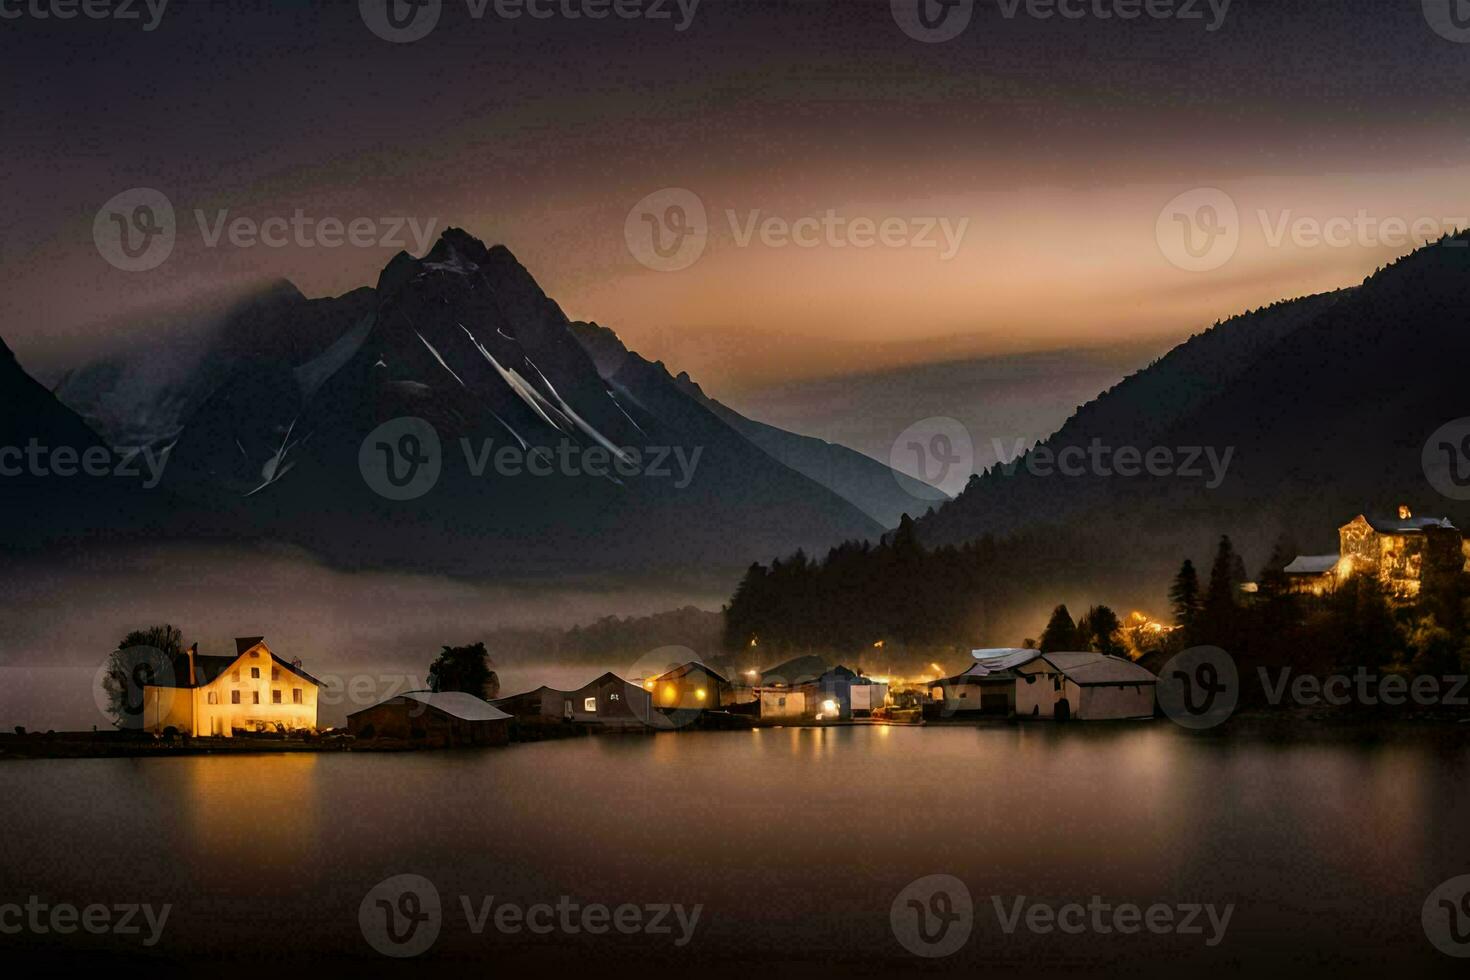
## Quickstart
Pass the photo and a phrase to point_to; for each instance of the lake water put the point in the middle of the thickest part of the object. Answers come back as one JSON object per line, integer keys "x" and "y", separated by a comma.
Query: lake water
{"x": 795, "y": 842}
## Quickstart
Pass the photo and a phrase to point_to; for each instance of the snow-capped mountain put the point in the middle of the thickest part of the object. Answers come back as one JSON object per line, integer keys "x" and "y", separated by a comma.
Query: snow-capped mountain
{"x": 544, "y": 465}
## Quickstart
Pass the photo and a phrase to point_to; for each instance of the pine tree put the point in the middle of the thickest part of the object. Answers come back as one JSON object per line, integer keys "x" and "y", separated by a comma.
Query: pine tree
{"x": 1099, "y": 628}
{"x": 1184, "y": 596}
{"x": 1060, "y": 633}
{"x": 1220, "y": 596}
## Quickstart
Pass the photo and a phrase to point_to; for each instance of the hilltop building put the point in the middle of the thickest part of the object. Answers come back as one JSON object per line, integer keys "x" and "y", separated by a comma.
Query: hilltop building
{"x": 253, "y": 691}
{"x": 1405, "y": 553}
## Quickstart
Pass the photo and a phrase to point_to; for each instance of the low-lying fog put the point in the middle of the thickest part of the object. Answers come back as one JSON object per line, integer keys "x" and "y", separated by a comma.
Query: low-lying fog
{"x": 366, "y": 634}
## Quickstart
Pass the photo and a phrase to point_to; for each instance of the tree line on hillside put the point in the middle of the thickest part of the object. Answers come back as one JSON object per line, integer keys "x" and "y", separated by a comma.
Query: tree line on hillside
{"x": 895, "y": 592}
{"x": 1356, "y": 627}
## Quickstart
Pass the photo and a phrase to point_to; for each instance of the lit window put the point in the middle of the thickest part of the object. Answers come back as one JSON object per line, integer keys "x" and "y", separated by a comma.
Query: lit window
{"x": 295, "y": 695}
{"x": 234, "y": 697}
{"x": 275, "y": 697}
{"x": 255, "y": 673}
{"x": 590, "y": 704}
{"x": 699, "y": 694}
{"x": 614, "y": 697}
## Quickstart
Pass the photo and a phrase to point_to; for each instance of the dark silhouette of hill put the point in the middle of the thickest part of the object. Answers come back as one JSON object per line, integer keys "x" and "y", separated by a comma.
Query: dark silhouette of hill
{"x": 1322, "y": 406}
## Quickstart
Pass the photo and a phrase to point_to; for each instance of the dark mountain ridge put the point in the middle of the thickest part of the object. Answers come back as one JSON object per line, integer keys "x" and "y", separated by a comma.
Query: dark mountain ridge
{"x": 271, "y": 445}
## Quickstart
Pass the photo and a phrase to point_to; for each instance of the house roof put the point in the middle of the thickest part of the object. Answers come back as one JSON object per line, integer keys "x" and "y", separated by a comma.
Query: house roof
{"x": 690, "y": 667}
{"x": 243, "y": 643}
{"x": 1093, "y": 669}
{"x": 981, "y": 674}
{"x": 795, "y": 671}
{"x": 1311, "y": 564}
{"x": 1405, "y": 525}
{"x": 208, "y": 668}
{"x": 296, "y": 670}
{"x": 457, "y": 704}
{"x": 1003, "y": 659}
{"x": 545, "y": 689}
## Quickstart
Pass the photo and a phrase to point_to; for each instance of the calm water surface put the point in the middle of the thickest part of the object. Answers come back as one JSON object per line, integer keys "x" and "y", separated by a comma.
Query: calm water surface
{"x": 794, "y": 841}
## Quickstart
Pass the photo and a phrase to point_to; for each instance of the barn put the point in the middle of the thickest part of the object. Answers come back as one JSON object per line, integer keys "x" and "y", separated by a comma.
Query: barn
{"x": 437, "y": 718}
{"x": 1084, "y": 686}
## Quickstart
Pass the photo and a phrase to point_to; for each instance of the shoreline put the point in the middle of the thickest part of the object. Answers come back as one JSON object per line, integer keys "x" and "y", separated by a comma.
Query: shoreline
{"x": 1247, "y": 724}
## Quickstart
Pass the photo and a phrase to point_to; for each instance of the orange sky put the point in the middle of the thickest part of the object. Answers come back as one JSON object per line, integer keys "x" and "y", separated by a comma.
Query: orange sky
{"x": 1057, "y": 144}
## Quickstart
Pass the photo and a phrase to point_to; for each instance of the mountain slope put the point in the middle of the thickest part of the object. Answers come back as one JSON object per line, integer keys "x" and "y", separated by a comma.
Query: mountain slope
{"x": 882, "y": 493}
{"x": 1323, "y": 403}
{"x": 545, "y": 468}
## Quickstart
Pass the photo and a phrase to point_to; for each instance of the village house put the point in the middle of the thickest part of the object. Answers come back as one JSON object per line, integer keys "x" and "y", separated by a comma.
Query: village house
{"x": 1085, "y": 687}
{"x": 252, "y": 691}
{"x": 977, "y": 691}
{"x": 808, "y": 689}
{"x": 443, "y": 718}
{"x": 689, "y": 686}
{"x": 1405, "y": 553}
{"x": 609, "y": 702}
{"x": 987, "y": 688}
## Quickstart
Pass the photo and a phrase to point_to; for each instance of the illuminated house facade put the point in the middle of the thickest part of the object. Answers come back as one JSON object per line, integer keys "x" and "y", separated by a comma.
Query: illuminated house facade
{"x": 1403, "y": 552}
{"x": 253, "y": 691}
{"x": 690, "y": 686}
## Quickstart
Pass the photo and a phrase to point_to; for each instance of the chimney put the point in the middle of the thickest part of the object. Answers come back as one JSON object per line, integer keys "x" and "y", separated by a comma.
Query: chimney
{"x": 1404, "y": 512}
{"x": 193, "y": 652}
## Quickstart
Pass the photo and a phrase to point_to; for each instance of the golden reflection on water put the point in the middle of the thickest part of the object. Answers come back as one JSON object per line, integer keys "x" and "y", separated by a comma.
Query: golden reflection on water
{"x": 254, "y": 815}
